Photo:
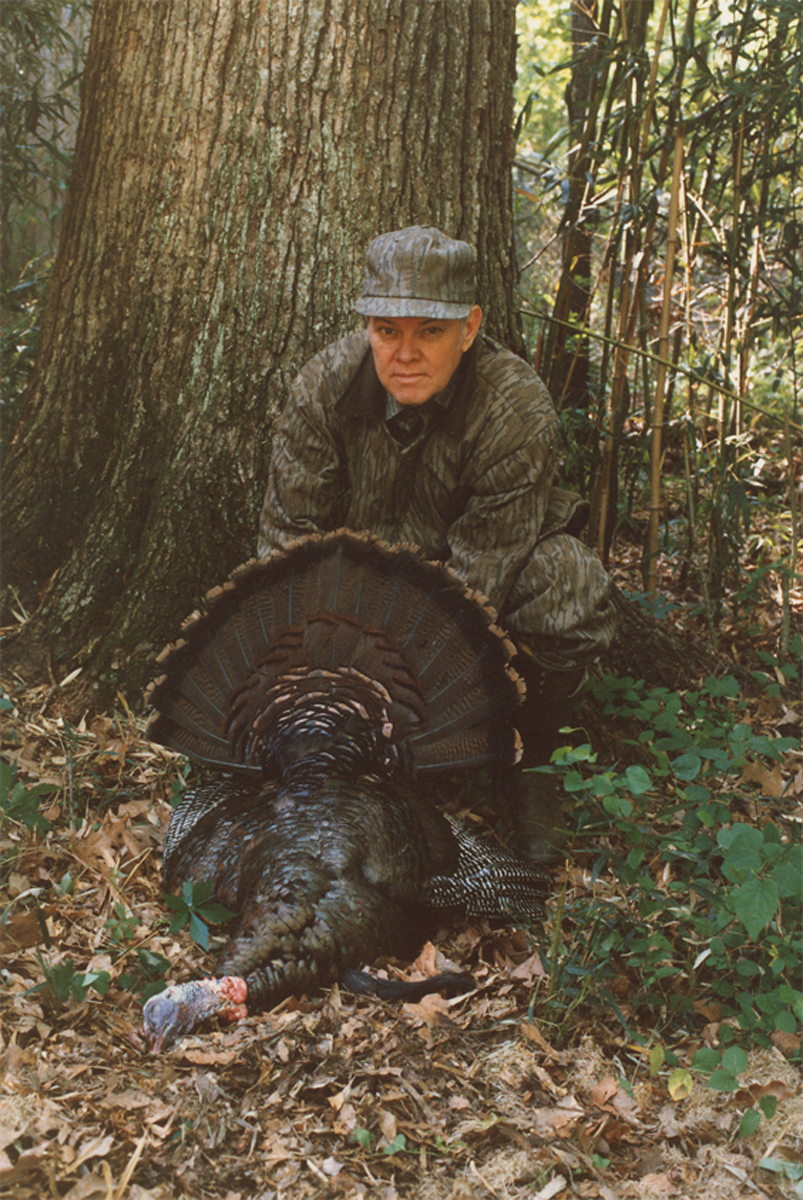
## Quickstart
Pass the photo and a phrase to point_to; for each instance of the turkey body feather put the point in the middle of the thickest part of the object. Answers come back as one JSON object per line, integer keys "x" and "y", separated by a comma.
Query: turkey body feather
{"x": 331, "y": 684}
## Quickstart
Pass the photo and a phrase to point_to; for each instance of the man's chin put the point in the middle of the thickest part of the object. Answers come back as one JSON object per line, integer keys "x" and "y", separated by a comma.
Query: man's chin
{"x": 411, "y": 396}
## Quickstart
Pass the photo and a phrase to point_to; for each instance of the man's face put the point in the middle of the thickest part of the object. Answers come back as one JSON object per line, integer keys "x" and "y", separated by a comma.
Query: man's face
{"x": 415, "y": 357}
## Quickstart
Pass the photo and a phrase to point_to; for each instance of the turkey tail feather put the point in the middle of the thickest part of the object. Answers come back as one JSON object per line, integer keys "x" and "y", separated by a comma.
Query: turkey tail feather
{"x": 342, "y": 603}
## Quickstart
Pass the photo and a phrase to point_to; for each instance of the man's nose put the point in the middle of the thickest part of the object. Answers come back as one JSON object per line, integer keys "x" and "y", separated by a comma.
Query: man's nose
{"x": 407, "y": 348}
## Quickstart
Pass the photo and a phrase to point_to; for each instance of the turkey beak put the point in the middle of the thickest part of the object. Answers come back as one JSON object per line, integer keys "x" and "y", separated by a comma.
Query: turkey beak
{"x": 162, "y": 1022}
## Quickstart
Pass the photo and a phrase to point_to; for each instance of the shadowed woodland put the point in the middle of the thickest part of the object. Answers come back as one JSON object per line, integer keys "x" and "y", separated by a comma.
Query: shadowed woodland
{"x": 647, "y": 164}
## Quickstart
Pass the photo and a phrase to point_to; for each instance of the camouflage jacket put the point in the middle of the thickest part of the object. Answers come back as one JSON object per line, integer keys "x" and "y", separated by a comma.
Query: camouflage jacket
{"x": 474, "y": 488}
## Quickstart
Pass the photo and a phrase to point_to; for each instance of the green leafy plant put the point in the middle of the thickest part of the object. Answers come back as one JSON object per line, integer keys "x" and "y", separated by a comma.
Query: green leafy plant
{"x": 363, "y": 1137}
{"x": 366, "y": 1139}
{"x": 196, "y": 909}
{"x": 145, "y": 971}
{"x": 783, "y": 1169}
{"x": 122, "y": 926}
{"x": 146, "y": 975}
{"x": 63, "y": 983}
{"x": 179, "y": 786}
{"x": 21, "y": 803}
{"x": 710, "y": 900}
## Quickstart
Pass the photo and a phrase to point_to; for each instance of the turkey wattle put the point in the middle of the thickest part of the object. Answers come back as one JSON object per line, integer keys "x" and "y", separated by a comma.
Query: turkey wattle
{"x": 331, "y": 686}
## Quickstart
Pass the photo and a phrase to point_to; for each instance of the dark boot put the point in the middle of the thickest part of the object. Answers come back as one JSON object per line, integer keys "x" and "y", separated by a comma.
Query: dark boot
{"x": 536, "y": 809}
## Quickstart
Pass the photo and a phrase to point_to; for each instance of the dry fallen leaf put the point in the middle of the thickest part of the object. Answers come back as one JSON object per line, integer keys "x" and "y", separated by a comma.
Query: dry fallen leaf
{"x": 753, "y": 1092}
{"x": 533, "y": 1034}
{"x": 770, "y": 781}
{"x": 207, "y": 1057}
{"x": 531, "y": 969}
{"x": 21, "y": 931}
{"x": 387, "y": 1124}
{"x": 602, "y": 1092}
{"x": 430, "y": 1009}
{"x": 660, "y": 1185}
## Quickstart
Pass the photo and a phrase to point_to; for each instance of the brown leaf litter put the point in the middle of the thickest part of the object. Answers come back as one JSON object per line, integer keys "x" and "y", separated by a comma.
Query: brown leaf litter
{"x": 489, "y": 1096}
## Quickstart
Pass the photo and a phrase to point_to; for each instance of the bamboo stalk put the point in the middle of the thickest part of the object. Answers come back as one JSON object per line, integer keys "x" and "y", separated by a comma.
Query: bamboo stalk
{"x": 659, "y": 38}
{"x": 692, "y": 502}
{"x": 635, "y": 272}
{"x": 745, "y": 323}
{"x": 660, "y": 381}
{"x": 607, "y": 467}
{"x": 735, "y": 421}
{"x": 788, "y": 577}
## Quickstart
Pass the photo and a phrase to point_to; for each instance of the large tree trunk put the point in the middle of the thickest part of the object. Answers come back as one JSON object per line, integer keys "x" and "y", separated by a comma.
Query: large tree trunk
{"x": 233, "y": 159}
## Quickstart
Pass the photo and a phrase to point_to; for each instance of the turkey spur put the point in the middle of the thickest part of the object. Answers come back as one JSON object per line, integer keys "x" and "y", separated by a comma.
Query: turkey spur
{"x": 332, "y": 686}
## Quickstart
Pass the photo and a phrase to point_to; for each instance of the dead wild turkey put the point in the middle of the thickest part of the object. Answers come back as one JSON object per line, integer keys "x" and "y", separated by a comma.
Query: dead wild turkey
{"x": 332, "y": 685}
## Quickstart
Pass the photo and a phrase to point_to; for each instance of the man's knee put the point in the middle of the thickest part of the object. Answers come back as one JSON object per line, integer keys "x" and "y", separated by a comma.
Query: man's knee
{"x": 561, "y": 606}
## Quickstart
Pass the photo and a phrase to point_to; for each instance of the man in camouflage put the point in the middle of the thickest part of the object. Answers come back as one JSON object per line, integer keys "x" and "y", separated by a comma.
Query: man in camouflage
{"x": 424, "y": 431}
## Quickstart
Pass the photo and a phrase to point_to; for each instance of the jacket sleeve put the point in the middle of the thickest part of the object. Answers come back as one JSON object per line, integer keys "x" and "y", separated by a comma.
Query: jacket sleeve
{"x": 511, "y": 472}
{"x": 306, "y": 490}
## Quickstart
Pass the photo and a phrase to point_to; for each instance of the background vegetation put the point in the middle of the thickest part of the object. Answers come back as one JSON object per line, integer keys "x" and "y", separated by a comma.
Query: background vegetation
{"x": 661, "y": 232}
{"x": 42, "y": 46}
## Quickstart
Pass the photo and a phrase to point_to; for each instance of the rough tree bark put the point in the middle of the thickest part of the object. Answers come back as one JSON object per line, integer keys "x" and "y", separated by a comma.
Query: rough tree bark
{"x": 233, "y": 159}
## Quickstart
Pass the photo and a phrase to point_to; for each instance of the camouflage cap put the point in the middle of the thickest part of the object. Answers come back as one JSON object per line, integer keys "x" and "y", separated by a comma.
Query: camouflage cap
{"x": 418, "y": 272}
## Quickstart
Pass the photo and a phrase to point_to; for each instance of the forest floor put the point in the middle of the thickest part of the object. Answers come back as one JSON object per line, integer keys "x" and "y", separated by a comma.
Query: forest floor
{"x": 489, "y": 1096}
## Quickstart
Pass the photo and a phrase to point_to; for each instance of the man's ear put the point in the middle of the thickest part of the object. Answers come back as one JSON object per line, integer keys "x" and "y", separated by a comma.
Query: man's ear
{"x": 473, "y": 322}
